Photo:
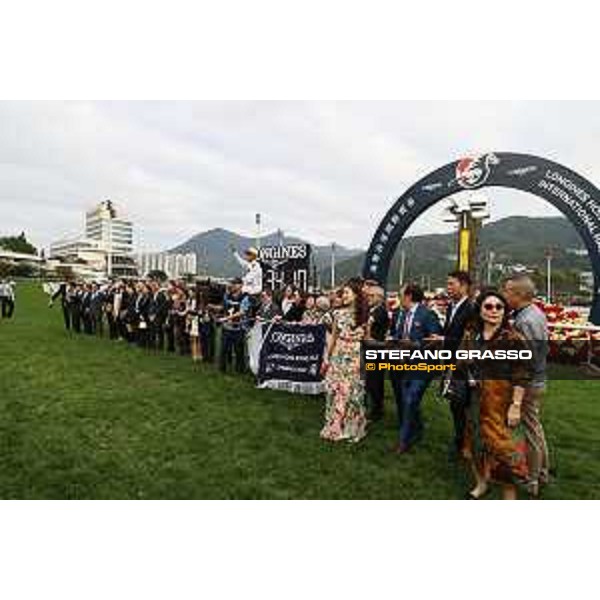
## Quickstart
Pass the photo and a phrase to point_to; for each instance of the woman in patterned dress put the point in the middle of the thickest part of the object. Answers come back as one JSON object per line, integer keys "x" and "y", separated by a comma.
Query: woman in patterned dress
{"x": 494, "y": 444}
{"x": 345, "y": 409}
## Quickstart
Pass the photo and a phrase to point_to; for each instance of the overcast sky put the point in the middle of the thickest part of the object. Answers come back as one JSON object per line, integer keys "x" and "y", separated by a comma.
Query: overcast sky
{"x": 323, "y": 171}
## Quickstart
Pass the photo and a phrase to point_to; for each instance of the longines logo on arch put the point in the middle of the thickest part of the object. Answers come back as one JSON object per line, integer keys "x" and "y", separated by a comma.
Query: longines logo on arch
{"x": 471, "y": 172}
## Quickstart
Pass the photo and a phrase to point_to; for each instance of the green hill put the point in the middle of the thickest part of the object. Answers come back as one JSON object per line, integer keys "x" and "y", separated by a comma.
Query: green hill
{"x": 213, "y": 249}
{"x": 514, "y": 240}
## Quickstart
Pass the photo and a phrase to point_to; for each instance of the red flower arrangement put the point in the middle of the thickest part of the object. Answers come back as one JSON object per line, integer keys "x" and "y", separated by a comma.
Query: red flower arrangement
{"x": 568, "y": 344}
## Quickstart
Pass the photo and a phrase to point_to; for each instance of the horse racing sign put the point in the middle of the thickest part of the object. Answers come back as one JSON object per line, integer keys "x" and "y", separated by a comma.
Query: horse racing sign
{"x": 285, "y": 265}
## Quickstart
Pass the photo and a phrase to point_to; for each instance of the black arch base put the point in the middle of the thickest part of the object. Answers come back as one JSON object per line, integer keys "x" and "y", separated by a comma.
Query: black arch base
{"x": 576, "y": 197}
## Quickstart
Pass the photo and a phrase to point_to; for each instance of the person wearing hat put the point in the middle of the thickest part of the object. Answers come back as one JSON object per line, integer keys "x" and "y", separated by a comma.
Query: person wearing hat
{"x": 252, "y": 279}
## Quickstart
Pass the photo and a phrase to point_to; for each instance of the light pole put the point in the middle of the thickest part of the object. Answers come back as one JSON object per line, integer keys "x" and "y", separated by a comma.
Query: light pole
{"x": 402, "y": 265}
{"x": 109, "y": 255}
{"x": 490, "y": 267}
{"x": 257, "y": 219}
{"x": 548, "y": 275}
{"x": 333, "y": 265}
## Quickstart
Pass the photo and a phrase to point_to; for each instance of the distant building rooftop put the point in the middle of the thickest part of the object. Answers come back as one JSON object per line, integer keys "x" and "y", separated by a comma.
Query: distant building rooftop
{"x": 18, "y": 256}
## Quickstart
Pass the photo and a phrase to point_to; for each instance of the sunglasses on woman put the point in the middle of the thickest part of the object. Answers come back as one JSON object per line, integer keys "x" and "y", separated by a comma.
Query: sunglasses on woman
{"x": 492, "y": 306}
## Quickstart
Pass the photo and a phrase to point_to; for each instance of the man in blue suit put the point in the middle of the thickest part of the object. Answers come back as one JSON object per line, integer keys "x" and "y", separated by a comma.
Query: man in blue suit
{"x": 415, "y": 323}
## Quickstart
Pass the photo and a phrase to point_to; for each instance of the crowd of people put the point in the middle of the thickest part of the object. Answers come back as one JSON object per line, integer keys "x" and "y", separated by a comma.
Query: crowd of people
{"x": 186, "y": 318}
{"x": 192, "y": 319}
{"x": 497, "y": 428}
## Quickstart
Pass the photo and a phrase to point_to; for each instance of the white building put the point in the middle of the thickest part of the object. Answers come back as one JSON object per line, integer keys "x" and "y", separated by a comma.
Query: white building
{"x": 17, "y": 257}
{"x": 106, "y": 247}
{"x": 104, "y": 225}
{"x": 577, "y": 251}
{"x": 174, "y": 265}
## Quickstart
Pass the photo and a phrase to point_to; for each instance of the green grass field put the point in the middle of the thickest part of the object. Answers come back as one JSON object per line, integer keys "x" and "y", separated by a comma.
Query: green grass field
{"x": 84, "y": 417}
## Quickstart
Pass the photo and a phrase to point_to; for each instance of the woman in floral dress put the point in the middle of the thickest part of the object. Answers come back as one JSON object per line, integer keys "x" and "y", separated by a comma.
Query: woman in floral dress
{"x": 345, "y": 410}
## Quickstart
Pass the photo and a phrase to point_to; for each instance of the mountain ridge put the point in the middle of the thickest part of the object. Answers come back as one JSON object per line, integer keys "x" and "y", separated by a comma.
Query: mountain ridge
{"x": 213, "y": 250}
{"x": 515, "y": 239}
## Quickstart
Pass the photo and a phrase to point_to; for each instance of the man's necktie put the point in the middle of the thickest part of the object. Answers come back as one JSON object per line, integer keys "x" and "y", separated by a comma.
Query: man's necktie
{"x": 407, "y": 324}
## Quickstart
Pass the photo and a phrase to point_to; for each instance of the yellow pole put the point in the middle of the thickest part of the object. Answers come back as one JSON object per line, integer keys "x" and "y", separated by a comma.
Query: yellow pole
{"x": 464, "y": 249}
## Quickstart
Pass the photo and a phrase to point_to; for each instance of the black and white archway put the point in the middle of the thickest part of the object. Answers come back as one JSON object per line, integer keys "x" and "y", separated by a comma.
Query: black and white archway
{"x": 576, "y": 197}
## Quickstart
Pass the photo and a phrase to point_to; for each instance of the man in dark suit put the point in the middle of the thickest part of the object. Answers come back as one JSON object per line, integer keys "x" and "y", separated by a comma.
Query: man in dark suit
{"x": 128, "y": 320}
{"x": 267, "y": 310}
{"x": 214, "y": 305}
{"x": 460, "y": 311}
{"x": 108, "y": 299}
{"x": 377, "y": 329}
{"x": 233, "y": 334}
{"x": 415, "y": 324}
{"x": 86, "y": 313}
{"x": 158, "y": 311}
{"x": 76, "y": 310}
{"x": 64, "y": 292}
{"x": 96, "y": 309}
